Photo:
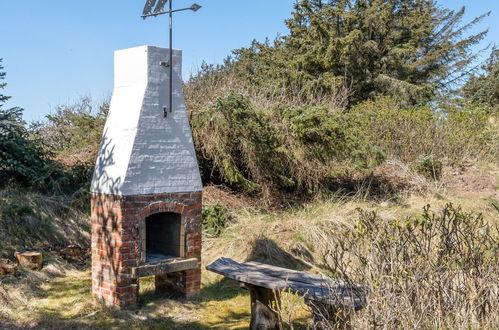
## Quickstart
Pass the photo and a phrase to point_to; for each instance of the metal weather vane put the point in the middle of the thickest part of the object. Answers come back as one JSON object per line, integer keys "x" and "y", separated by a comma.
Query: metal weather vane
{"x": 159, "y": 9}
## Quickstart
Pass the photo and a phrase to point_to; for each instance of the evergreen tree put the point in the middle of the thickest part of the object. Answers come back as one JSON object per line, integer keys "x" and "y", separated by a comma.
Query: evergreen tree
{"x": 403, "y": 48}
{"x": 22, "y": 159}
{"x": 3, "y": 98}
{"x": 484, "y": 88}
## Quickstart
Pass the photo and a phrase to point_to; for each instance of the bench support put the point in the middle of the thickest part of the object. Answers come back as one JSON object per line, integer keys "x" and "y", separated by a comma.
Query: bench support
{"x": 332, "y": 301}
{"x": 263, "y": 304}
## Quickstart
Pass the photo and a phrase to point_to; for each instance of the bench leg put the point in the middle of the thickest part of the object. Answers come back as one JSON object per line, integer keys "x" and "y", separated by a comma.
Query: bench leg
{"x": 263, "y": 317}
{"x": 327, "y": 317}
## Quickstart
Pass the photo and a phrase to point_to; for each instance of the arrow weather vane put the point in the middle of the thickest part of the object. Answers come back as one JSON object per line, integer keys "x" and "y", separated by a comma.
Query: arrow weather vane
{"x": 159, "y": 9}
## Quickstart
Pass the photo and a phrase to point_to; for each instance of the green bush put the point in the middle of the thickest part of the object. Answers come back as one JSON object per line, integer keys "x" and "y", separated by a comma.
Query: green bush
{"x": 215, "y": 219}
{"x": 470, "y": 132}
{"x": 271, "y": 146}
{"x": 454, "y": 134}
{"x": 288, "y": 148}
{"x": 73, "y": 134}
{"x": 29, "y": 158}
{"x": 429, "y": 167}
{"x": 240, "y": 142}
{"x": 330, "y": 135}
{"x": 24, "y": 159}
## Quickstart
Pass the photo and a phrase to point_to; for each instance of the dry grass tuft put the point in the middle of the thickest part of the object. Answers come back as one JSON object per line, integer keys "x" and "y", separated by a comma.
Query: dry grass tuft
{"x": 31, "y": 220}
{"x": 214, "y": 194}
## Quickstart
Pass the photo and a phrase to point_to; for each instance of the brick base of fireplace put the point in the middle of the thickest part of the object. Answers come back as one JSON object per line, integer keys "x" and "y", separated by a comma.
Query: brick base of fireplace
{"x": 119, "y": 248}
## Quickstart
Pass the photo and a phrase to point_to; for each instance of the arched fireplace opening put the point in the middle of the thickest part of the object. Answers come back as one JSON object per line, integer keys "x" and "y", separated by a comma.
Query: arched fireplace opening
{"x": 165, "y": 237}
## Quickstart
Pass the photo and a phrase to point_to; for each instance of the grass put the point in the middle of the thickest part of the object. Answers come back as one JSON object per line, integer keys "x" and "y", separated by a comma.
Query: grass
{"x": 59, "y": 296}
{"x": 30, "y": 220}
{"x": 65, "y": 302}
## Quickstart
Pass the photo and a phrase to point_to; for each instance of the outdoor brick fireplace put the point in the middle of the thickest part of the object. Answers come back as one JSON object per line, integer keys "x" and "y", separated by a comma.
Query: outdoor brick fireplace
{"x": 146, "y": 190}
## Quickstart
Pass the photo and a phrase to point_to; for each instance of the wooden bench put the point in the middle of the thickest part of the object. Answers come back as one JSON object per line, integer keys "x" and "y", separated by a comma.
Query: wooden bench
{"x": 330, "y": 299}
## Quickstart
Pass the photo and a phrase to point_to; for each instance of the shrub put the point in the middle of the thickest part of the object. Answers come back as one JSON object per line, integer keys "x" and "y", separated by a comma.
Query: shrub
{"x": 433, "y": 271}
{"x": 215, "y": 219}
{"x": 429, "y": 167}
{"x": 288, "y": 149}
{"x": 240, "y": 142}
{"x": 268, "y": 142}
{"x": 330, "y": 135}
{"x": 73, "y": 134}
{"x": 470, "y": 133}
{"x": 23, "y": 157}
{"x": 406, "y": 133}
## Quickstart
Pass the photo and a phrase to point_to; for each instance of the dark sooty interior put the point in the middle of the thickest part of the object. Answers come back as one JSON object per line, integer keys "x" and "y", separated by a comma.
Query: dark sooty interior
{"x": 163, "y": 236}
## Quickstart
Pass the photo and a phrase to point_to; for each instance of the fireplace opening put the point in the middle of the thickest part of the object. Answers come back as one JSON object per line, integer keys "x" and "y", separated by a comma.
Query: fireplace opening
{"x": 164, "y": 237}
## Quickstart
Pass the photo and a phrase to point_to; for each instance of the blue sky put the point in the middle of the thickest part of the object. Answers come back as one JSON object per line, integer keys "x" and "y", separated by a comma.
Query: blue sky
{"x": 57, "y": 51}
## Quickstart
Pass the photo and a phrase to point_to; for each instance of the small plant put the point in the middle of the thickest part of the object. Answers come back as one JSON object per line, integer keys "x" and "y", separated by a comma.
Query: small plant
{"x": 215, "y": 219}
{"x": 429, "y": 167}
{"x": 18, "y": 211}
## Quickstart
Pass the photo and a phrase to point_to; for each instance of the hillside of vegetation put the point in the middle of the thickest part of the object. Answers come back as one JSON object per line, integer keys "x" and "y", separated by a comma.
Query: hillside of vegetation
{"x": 362, "y": 145}
{"x": 434, "y": 268}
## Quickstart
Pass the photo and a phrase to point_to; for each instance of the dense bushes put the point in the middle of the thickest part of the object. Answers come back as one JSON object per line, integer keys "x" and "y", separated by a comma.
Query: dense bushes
{"x": 73, "y": 134}
{"x": 287, "y": 149}
{"x": 23, "y": 158}
{"x": 54, "y": 157}
{"x": 331, "y": 135}
{"x": 340, "y": 93}
{"x": 438, "y": 270}
{"x": 409, "y": 133}
{"x": 239, "y": 141}
{"x": 263, "y": 145}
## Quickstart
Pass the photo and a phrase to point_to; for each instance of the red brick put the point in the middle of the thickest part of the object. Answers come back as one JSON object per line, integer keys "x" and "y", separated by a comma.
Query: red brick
{"x": 193, "y": 236}
{"x": 116, "y": 247}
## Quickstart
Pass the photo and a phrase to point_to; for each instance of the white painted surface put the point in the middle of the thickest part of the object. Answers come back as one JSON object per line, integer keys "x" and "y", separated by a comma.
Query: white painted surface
{"x": 141, "y": 151}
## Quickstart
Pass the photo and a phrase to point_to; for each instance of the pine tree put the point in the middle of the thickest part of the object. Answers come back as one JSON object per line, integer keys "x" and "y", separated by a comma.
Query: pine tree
{"x": 403, "y": 48}
{"x": 22, "y": 158}
{"x": 484, "y": 88}
{"x": 3, "y": 98}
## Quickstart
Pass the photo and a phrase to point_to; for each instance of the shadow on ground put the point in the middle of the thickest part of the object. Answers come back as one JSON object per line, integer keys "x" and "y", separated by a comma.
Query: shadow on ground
{"x": 266, "y": 251}
{"x": 65, "y": 302}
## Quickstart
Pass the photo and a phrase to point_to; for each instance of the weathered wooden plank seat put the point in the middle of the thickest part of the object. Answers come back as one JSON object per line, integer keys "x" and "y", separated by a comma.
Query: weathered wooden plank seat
{"x": 329, "y": 298}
